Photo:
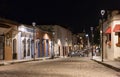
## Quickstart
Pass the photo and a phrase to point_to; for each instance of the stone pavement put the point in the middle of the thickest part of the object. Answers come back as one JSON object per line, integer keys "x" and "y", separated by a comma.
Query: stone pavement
{"x": 109, "y": 63}
{"x": 60, "y": 67}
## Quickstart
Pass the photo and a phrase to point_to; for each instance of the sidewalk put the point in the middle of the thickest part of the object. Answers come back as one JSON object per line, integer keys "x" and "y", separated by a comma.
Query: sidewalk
{"x": 109, "y": 63}
{"x": 21, "y": 61}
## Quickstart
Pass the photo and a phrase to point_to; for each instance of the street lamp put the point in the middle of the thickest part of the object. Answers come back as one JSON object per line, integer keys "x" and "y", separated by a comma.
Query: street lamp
{"x": 33, "y": 24}
{"x": 87, "y": 43}
{"x": 92, "y": 39}
{"x": 102, "y": 13}
{"x": 87, "y": 39}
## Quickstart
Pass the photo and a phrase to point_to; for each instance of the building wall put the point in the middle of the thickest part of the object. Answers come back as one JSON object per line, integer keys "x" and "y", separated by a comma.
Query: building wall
{"x": 115, "y": 40}
{"x": 108, "y": 52}
{"x": 7, "y": 28}
{"x": 8, "y": 47}
{"x": 14, "y": 43}
{"x": 47, "y": 44}
{"x": 63, "y": 41}
{"x": 113, "y": 50}
{"x": 24, "y": 41}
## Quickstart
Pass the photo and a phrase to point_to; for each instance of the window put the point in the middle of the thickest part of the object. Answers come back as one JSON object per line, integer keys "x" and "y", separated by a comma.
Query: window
{"x": 109, "y": 39}
{"x": 118, "y": 44}
{"x": 14, "y": 49}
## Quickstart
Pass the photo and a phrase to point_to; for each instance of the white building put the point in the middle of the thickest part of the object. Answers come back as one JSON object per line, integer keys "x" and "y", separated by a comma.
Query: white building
{"x": 111, "y": 42}
{"x": 24, "y": 43}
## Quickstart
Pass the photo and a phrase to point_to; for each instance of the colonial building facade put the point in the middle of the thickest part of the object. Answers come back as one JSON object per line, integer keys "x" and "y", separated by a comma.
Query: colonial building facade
{"x": 111, "y": 38}
{"x": 32, "y": 42}
{"x": 62, "y": 39}
{"x": 8, "y": 29}
{"x": 21, "y": 41}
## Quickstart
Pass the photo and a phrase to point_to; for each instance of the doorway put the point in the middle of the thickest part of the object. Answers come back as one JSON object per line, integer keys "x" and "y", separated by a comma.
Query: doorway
{"x": 14, "y": 49}
{"x": 2, "y": 47}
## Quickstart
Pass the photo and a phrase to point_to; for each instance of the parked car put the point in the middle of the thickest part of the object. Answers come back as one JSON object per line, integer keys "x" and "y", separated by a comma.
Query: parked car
{"x": 75, "y": 53}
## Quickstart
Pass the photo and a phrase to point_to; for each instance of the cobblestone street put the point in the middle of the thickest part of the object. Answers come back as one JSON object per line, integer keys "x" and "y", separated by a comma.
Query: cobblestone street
{"x": 61, "y": 67}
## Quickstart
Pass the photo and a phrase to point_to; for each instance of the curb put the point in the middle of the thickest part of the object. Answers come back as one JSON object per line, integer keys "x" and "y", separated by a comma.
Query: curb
{"x": 13, "y": 62}
{"x": 107, "y": 65}
{"x": 22, "y": 61}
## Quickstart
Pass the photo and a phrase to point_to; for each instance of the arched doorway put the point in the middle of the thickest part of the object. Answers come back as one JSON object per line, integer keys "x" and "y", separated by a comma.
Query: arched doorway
{"x": 28, "y": 47}
{"x": 24, "y": 48}
{"x": 14, "y": 49}
{"x": 38, "y": 48}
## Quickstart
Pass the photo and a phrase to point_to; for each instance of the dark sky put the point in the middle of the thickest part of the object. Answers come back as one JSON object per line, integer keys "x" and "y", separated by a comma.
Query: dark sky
{"x": 77, "y": 14}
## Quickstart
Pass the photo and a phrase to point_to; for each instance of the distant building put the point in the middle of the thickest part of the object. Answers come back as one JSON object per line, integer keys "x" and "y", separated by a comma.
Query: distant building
{"x": 62, "y": 39}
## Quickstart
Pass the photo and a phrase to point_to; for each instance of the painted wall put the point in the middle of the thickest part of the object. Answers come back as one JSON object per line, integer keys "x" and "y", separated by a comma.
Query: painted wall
{"x": 8, "y": 46}
{"x": 115, "y": 40}
{"x": 24, "y": 42}
{"x": 113, "y": 51}
{"x": 63, "y": 39}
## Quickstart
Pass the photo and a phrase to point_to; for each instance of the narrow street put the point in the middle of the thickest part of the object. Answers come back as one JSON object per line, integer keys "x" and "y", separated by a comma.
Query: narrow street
{"x": 60, "y": 67}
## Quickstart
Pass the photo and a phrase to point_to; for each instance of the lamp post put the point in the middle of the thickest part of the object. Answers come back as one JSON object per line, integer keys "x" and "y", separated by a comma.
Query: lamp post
{"x": 33, "y": 24}
{"x": 102, "y": 13}
{"x": 87, "y": 43}
{"x": 86, "y": 40}
{"x": 92, "y": 39}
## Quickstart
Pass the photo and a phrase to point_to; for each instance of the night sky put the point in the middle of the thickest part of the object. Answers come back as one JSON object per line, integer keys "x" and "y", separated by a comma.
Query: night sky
{"x": 76, "y": 14}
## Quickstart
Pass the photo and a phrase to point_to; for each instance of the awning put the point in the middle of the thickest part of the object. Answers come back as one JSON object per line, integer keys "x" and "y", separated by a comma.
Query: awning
{"x": 117, "y": 28}
{"x": 108, "y": 30}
